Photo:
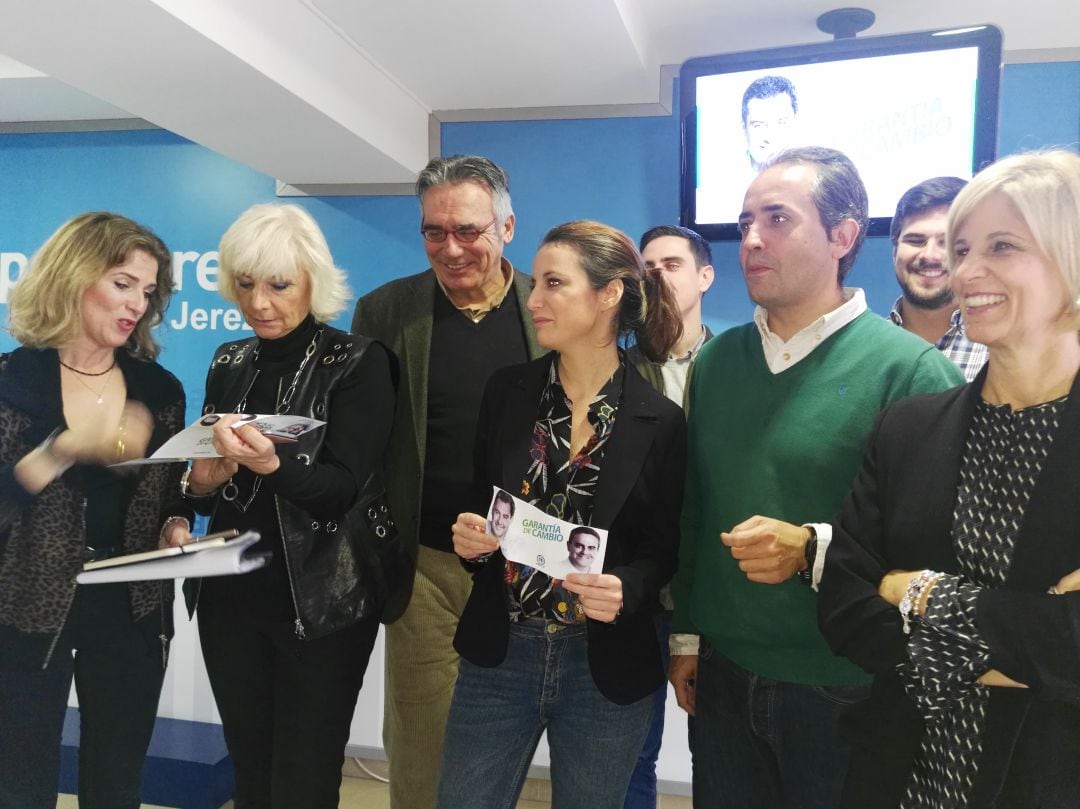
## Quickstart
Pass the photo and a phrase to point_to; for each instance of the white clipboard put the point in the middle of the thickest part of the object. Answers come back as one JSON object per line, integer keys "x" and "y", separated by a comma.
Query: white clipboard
{"x": 230, "y": 558}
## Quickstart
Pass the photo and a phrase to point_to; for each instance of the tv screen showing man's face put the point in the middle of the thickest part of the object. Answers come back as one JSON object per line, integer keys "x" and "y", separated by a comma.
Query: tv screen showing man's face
{"x": 769, "y": 127}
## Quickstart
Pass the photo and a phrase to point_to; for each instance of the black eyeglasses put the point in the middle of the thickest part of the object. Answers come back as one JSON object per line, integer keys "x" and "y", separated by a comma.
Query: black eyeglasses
{"x": 466, "y": 234}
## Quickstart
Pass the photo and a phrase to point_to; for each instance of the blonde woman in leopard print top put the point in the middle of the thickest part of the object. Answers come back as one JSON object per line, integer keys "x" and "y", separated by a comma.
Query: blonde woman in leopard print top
{"x": 83, "y": 391}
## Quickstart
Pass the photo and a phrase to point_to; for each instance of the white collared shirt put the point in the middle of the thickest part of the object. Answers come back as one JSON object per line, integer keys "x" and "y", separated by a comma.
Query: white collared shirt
{"x": 675, "y": 370}
{"x": 780, "y": 355}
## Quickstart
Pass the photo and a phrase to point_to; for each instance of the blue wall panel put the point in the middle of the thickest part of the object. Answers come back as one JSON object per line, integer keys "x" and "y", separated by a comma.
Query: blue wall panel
{"x": 188, "y": 195}
{"x": 623, "y": 171}
{"x": 1040, "y": 107}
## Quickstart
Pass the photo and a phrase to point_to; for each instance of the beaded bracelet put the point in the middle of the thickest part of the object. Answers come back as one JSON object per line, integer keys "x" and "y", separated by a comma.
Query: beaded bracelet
{"x": 915, "y": 589}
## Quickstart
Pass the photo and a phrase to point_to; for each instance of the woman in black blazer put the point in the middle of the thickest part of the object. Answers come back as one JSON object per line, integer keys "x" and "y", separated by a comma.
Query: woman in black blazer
{"x": 580, "y": 435}
{"x": 952, "y": 568}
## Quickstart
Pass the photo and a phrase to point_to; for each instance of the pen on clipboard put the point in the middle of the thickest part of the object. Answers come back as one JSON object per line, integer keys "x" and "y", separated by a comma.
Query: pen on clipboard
{"x": 227, "y": 534}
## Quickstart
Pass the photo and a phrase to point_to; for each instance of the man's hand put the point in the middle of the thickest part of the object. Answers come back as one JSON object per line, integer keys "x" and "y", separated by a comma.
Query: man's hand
{"x": 768, "y": 551}
{"x": 683, "y": 677}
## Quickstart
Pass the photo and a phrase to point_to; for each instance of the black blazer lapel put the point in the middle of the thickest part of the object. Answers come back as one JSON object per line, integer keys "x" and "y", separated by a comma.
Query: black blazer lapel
{"x": 1047, "y": 547}
{"x": 635, "y": 428}
{"x": 521, "y": 406}
{"x": 936, "y": 477}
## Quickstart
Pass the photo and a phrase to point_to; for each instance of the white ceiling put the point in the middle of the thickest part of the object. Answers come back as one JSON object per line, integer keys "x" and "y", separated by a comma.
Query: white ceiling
{"x": 316, "y": 92}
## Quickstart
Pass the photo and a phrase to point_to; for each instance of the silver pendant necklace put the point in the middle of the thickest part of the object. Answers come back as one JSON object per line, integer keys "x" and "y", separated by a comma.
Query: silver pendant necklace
{"x": 230, "y": 491}
{"x": 99, "y": 394}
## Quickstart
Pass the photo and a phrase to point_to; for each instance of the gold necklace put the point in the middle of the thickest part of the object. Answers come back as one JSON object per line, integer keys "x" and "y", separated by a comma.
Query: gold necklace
{"x": 98, "y": 393}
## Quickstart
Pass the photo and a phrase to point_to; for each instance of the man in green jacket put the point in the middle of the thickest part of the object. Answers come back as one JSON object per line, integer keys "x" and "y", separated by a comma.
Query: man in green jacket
{"x": 779, "y": 410}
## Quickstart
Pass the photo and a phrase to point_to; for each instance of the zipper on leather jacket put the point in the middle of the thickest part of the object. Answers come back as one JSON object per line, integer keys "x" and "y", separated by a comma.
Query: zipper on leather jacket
{"x": 298, "y": 624}
{"x": 60, "y": 631}
{"x": 163, "y": 637}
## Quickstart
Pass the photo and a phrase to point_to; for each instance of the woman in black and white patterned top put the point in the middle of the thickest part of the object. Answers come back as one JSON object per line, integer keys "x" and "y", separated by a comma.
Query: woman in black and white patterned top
{"x": 953, "y": 566}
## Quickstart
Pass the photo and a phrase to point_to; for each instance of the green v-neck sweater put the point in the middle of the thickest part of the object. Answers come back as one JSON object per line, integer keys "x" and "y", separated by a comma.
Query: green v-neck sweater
{"x": 788, "y": 446}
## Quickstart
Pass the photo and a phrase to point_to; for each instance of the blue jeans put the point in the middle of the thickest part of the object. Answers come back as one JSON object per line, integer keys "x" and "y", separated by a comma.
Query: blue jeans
{"x": 766, "y": 743}
{"x": 498, "y": 714}
{"x": 642, "y": 791}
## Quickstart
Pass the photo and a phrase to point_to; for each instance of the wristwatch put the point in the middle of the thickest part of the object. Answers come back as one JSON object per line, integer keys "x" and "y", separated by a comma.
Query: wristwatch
{"x": 185, "y": 487}
{"x": 810, "y": 553}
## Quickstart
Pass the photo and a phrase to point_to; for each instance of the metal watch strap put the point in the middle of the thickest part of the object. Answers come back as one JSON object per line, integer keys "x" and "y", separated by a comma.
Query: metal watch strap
{"x": 185, "y": 488}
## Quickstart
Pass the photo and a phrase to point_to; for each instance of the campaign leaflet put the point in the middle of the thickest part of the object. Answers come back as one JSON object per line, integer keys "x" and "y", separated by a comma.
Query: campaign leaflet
{"x": 530, "y": 537}
{"x": 197, "y": 440}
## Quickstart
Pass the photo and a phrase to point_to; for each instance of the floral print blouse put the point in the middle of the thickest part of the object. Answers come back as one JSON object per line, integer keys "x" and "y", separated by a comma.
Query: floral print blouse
{"x": 562, "y": 487}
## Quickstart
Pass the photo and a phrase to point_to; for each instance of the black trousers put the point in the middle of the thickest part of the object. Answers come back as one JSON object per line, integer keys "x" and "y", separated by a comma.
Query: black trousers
{"x": 286, "y": 704}
{"x": 118, "y": 670}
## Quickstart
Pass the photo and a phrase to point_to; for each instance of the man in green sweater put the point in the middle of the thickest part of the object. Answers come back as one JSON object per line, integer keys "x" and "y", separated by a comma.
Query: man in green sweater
{"x": 779, "y": 412}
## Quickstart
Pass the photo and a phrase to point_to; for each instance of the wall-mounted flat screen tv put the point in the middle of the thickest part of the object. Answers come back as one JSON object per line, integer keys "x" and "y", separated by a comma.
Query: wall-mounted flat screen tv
{"x": 904, "y": 108}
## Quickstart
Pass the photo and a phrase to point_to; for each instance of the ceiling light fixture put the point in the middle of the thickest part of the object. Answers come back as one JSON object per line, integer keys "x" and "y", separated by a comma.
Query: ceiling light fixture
{"x": 845, "y": 23}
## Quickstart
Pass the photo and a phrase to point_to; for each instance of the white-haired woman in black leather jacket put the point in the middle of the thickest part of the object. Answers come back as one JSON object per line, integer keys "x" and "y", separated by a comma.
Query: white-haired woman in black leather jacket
{"x": 286, "y": 647}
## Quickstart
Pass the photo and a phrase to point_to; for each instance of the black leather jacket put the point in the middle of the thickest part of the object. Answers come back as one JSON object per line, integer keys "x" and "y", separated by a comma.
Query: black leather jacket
{"x": 339, "y": 570}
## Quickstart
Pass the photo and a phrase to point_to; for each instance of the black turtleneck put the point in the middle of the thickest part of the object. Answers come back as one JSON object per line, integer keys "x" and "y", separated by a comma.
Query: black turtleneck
{"x": 358, "y": 424}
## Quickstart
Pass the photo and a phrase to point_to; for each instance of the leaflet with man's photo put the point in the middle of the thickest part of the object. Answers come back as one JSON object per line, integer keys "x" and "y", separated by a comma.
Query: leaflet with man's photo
{"x": 530, "y": 537}
{"x": 197, "y": 440}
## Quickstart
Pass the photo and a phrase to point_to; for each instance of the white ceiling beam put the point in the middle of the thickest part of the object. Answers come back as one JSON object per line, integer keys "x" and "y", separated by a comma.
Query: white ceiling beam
{"x": 298, "y": 125}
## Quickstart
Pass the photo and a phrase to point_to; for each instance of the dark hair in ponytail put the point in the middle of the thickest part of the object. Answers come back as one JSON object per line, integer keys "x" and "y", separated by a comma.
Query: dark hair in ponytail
{"x": 648, "y": 309}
